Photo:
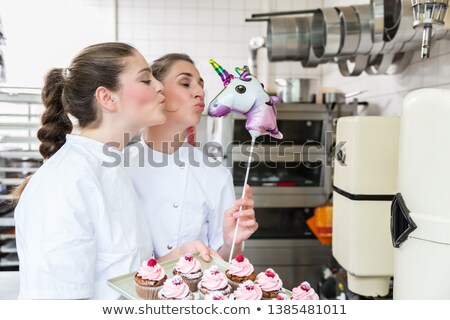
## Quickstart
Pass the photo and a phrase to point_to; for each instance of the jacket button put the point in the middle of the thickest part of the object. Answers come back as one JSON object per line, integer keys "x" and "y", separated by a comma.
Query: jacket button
{"x": 169, "y": 246}
{"x": 175, "y": 205}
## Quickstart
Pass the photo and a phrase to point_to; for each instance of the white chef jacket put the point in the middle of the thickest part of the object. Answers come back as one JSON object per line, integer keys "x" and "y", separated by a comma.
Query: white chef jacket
{"x": 78, "y": 224}
{"x": 184, "y": 195}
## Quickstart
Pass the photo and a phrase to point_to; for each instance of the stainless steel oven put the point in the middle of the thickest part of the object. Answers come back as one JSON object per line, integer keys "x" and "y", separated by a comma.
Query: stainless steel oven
{"x": 283, "y": 179}
{"x": 296, "y": 171}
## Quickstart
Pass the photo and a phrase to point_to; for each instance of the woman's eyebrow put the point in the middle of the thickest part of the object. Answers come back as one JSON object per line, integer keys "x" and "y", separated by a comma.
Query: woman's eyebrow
{"x": 188, "y": 74}
{"x": 145, "y": 70}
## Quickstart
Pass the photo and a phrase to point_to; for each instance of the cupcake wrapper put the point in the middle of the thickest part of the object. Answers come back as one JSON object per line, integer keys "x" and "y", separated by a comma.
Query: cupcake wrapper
{"x": 192, "y": 284}
{"x": 147, "y": 293}
{"x": 234, "y": 285}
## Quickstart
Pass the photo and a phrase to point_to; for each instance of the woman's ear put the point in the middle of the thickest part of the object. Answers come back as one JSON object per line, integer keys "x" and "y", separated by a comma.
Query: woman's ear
{"x": 106, "y": 99}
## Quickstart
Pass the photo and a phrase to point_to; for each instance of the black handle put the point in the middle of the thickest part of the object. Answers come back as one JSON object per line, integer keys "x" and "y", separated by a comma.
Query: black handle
{"x": 401, "y": 222}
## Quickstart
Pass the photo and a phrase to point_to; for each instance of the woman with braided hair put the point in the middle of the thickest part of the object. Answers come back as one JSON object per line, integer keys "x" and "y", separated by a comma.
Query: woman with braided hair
{"x": 78, "y": 220}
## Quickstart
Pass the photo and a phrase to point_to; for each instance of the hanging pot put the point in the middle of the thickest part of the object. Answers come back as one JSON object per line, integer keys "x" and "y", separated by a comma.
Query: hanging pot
{"x": 296, "y": 89}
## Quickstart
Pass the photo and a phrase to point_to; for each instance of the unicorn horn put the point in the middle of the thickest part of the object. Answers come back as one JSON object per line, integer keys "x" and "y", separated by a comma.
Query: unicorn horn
{"x": 224, "y": 75}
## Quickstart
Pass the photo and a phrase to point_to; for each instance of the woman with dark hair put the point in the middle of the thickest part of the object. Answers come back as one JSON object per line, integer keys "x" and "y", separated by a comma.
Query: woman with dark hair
{"x": 196, "y": 194}
{"x": 78, "y": 220}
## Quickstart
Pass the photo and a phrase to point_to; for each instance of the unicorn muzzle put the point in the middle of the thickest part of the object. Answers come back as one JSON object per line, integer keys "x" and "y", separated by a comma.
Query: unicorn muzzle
{"x": 216, "y": 109}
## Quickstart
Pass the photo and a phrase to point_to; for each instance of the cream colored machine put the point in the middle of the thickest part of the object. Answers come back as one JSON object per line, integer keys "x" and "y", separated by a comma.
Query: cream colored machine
{"x": 365, "y": 177}
{"x": 421, "y": 211}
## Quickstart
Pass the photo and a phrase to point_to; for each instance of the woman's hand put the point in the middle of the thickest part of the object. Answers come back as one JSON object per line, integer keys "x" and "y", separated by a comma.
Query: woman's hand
{"x": 247, "y": 223}
{"x": 191, "y": 247}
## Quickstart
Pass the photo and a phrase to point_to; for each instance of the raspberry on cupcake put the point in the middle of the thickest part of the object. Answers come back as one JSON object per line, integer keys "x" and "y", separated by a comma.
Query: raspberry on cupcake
{"x": 189, "y": 268}
{"x": 270, "y": 283}
{"x": 149, "y": 279}
{"x": 240, "y": 271}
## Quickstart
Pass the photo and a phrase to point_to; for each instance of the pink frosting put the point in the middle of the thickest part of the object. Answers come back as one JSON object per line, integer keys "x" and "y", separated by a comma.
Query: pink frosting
{"x": 241, "y": 269}
{"x": 188, "y": 264}
{"x": 304, "y": 292}
{"x": 147, "y": 272}
{"x": 213, "y": 279}
{"x": 175, "y": 288}
{"x": 269, "y": 281}
{"x": 215, "y": 295}
{"x": 247, "y": 291}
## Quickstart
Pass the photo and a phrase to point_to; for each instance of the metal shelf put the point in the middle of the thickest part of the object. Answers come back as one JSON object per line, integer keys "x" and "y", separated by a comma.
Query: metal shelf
{"x": 11, "y": 181}
{"x": 10, "y": 260}
{"x": 18, "y": 170}
{"x": 21, "y": 155}
{"x": 7, "y": 220}
{"x": 9, "y": 247}
{"x": 19, "y": 125}
{"x": 7, "y": 236}
{"x": 8, "y": 139}
{"x": 20, "y": 95}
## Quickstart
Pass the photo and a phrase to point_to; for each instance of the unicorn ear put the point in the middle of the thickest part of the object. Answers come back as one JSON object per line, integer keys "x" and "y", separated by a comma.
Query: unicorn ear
{"x": 239, "y": 71}
{"x": 247, "y": 68}
{"x": 275, "y": 99}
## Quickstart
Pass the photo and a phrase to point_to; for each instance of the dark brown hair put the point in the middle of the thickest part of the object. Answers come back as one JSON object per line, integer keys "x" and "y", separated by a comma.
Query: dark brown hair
{"x": 72, "y": 91}
{"x": 162, "y": 65}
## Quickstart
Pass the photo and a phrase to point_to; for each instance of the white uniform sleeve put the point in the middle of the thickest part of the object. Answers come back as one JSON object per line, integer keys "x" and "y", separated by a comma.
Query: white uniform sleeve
{"x": 225, "y": 199}
{"x": 58, "y": 249}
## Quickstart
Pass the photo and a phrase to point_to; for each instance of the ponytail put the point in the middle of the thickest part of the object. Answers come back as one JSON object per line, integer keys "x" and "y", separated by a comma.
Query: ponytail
{"x": 55, "y": 121}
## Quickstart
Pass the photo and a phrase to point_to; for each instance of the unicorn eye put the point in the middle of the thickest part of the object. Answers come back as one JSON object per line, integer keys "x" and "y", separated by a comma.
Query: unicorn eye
{"x": 240, "y": 89}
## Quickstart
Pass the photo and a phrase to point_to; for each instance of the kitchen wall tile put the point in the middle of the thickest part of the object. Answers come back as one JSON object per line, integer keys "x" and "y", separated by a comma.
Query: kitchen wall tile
{"x": 220, "y": 17}
{"x": 236, "y": 17}
{"x": 172, "y": 3}
{"x": 156, "y": 3}
{"x": 237, "y": 4}
{"x": 255, "y": 4}
{"x": 156, "y": 15}
{"x": 189, "y": 16}
{"x": 190, "y": 3}
{"x": 205, "y": 17}
{"x": 220, "y": 4}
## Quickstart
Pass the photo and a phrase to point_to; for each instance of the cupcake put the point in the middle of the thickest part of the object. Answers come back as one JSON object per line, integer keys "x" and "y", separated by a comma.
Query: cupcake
{"x": 189, "y": 268}
{"x": 215, "y": 295}
{"x": 304, "y": 292}
{"x": 149, "y": 280}
{"x": 175, "y": 289}
{"x": 214, "y": 280}
{"x": 270, "y": 283}
{"x": 240, "y": 271}
{"x": 247, "y": 291}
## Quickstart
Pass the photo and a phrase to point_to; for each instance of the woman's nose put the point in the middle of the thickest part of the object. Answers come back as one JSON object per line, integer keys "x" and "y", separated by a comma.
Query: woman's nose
{"x": 200, "y": 93}
{"x": 159, "y": 87}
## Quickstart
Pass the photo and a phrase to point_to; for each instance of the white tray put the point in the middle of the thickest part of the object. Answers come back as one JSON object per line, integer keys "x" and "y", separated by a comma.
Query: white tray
{"x": 125, "y": 284}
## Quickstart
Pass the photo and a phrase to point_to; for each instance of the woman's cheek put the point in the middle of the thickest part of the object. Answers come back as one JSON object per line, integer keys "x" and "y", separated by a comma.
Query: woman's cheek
{"x": 141, "y": 98}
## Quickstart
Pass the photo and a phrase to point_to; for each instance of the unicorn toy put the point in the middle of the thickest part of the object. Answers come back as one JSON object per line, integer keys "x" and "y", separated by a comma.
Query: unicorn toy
{"x": 246, "y": 95}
